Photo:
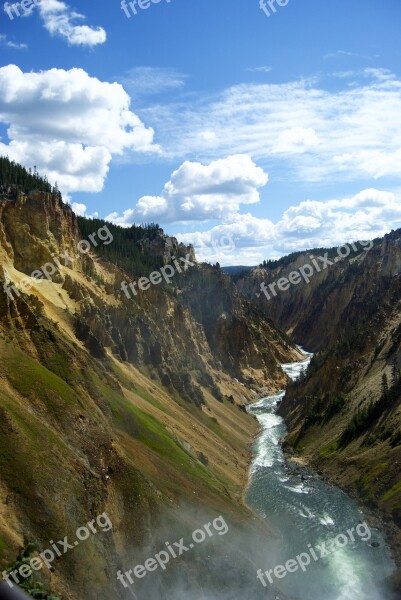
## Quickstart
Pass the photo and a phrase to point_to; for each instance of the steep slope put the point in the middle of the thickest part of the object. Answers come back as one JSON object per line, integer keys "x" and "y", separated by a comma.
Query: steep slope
{"x": 133, "y": 406}
{"x": 345, "y": 415}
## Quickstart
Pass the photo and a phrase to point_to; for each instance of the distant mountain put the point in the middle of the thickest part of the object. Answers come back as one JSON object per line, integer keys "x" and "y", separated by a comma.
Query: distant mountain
{"x": 235, "y": 270}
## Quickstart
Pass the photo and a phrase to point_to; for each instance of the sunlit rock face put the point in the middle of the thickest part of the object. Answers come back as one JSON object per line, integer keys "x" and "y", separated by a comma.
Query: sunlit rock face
{"x": 130, "y": 406}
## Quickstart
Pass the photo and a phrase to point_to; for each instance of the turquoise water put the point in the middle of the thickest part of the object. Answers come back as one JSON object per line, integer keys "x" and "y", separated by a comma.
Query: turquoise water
{"x": 306, "y": 512}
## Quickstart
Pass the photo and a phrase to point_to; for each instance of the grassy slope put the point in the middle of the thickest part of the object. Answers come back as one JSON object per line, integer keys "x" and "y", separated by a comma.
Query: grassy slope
{"x": 53, "y": 471}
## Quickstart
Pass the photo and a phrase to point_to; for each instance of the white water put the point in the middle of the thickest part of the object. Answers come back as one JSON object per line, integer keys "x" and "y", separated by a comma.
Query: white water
{"x": 305, "y": 510}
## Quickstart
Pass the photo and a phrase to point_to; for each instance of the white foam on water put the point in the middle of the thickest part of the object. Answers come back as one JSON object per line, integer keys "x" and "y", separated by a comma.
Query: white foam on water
{"x": 351, "y": 576}
{"x": 283, "y": 479}
{"x": 268, "y": 450}
{"x": 294, "y": 370}
{"x": 306, "y": 513}
{"x": 298, "y": 489}
{"x": 326, "y": 520}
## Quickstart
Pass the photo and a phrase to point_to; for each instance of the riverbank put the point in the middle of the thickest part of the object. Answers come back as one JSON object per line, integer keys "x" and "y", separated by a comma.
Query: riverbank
{"x": 309, "y": 445}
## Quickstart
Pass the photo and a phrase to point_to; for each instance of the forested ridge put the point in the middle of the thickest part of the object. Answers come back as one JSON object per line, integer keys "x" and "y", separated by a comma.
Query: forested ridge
{"x": 23, "y": 180}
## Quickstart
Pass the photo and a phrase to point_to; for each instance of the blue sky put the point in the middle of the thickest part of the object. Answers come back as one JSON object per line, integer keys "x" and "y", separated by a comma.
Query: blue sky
{"x": 248, "y": 135}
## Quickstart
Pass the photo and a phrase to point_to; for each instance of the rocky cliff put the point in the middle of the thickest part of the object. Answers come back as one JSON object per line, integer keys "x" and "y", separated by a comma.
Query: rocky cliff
{"x": 133, "y": 406}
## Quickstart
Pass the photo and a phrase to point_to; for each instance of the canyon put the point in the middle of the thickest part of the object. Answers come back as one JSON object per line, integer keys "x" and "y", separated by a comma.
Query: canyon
{"x": 141, "y": 408}
{"x": 136, "y": 409}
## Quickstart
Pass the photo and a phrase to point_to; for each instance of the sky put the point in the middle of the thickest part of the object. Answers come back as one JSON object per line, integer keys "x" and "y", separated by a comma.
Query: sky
{"x": 246, "y": 128}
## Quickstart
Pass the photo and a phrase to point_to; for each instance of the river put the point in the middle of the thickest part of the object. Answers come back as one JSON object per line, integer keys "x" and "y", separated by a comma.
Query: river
{"x": 307, "y": 512}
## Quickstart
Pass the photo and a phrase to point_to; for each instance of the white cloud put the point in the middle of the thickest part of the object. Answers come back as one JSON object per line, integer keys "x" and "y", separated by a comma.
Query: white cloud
{"x": 238, "y": 241}
{"x": 219, "y": 190}
{"x": 198, "y": 192}
{"x": 265, "y": 69}
{"x": 80, "y": 210}
{"x": 366, "y": 215}
{"x": 345, "y": 54}
{"x": 374, "y": 163}
{"x": 370, "y": 213}
{"x": 152, "y": 80}
{"x": 69, "y": 124}
{"x": 60, "y": 20}
{"x": 353, "y": 133}
{"x": 4, "y": 41}
{"x": 296, "y": 140}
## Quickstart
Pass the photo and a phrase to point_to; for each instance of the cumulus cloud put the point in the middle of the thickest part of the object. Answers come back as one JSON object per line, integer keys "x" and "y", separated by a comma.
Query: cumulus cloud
{"x": 220, "y": 189}
{"x": 198, "y": 192}
{"x": 370, "y": 213}
{"x": 240, "y": 240}
{"x": 80, "y": 210}
{"x": 69, "y": 124}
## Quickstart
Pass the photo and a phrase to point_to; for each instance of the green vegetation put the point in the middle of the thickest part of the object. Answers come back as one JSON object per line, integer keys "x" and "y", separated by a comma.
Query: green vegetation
{"x": 33, "y": 588}
{"x": 140, "y": 391}
{"x": 126, "y": 250}
{"x": 23, "y": 180}
{"x": 329, "y": 450}
{"x": 355, "y": 338}
{"x": 236, "y": 273}
{"x": 396, "y": 489}
{"x": 396, "y": 439}
{"x": 281, "y": 262}
{"x": 324, "y": 408}
{"x": 367, "y": 483}
{"x": 364, "y": 418}
{"x": 143, "y": 427}
{"x": 30, "y": 378}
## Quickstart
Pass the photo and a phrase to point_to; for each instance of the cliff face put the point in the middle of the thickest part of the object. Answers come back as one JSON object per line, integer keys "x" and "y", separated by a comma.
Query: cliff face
{"x": 34, "y": 227}
{"x": 314, "y": 308}
{"x": 117, "y": 404}
{"x": 345, "y": 415}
